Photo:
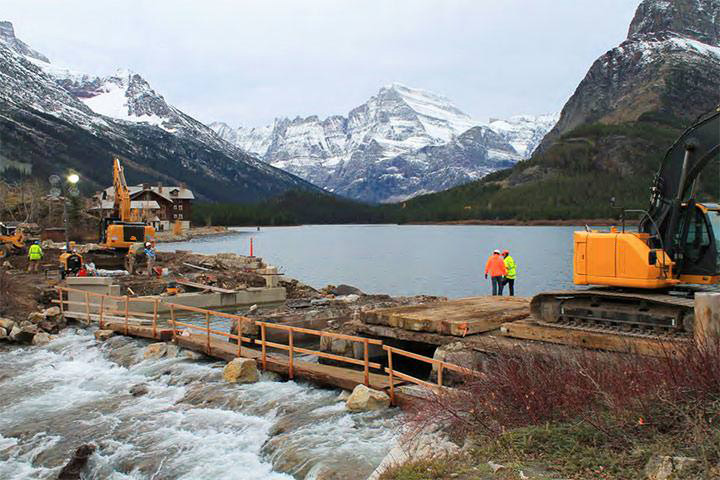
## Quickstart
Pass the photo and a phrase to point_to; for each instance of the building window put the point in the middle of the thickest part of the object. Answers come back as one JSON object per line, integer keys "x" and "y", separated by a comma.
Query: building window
{"x": 180, "y": 216}
{"x": 175, "y": 215}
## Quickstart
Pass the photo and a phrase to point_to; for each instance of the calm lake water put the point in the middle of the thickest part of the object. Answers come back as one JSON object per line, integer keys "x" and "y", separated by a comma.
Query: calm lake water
{"x": 447, "y": 260}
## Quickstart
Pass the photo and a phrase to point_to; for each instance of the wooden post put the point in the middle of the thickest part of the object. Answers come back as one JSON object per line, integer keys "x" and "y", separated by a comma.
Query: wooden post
{"x": 392, "y": 380}
{"x": 127, "y": 308}
{"x": 207, "y": 328}
{"x": 290, "y": 358}
{"x": 707, "y": 319}
{"x": 155, "y": 315}
{"x": 102, "y": 312}
{"x": 62, "y": 301}
{"x": 264, "y": 349}
{"x": 87, "y": 307}
{"x": 440, "y": 374}
{"x": 367, "y": 359}
{"x": 172, "y": 319}
{"x": 239, "y": 321}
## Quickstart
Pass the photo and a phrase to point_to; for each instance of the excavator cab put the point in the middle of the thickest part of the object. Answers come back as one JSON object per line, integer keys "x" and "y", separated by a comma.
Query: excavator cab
{"x": 12, "y": 240}
{"x": 697, "y": 244}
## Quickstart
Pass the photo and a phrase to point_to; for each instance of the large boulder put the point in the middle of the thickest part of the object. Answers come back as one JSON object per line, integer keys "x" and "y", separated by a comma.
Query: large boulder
{"x": 23, "y": 334}
{"x": 6, "y": 323}
{"x": 40, "y": 339}
{"x": 36, "y": 317}
{"x": 3, "y": 333}
{"x": 102, "y": 335}
{"x": 241, "y": 370}
{"x": 363, "y": 399}
{"x": 51, "y": 312}
{"x": 155, "y": 351}
{"x": 459, "y": 354}
{"x": 662, "y": 467}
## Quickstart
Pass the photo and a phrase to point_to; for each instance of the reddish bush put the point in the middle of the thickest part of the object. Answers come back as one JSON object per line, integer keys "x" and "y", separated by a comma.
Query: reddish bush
{"x": 535, "y": 388}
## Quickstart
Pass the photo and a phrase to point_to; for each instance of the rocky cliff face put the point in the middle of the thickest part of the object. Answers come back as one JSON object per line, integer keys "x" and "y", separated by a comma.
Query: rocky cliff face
{"x": 668, "y": 67}
{"x": 385, "y": 149}
{"x": 54, "y": 119}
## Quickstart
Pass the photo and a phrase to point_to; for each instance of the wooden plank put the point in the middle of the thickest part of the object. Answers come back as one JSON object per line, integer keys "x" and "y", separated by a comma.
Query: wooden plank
{"x": 162, "y": 334}
{"x": 613, "y": 342}
{"x": 204, "y": 287}
{"x": 465, "y": 316}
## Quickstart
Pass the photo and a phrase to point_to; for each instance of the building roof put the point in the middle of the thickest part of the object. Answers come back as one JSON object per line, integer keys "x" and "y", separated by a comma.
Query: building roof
{"x": 168, "y": 193}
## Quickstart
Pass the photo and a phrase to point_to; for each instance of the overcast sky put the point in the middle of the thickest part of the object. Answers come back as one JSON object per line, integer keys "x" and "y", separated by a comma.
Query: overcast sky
{"x": 247, "y": 62}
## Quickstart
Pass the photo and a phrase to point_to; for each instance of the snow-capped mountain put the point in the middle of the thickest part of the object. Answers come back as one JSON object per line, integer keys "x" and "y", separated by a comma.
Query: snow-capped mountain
{"x": 54, "y": 118}
{"x": 524, "y": 132}
{"x": 377, "y": 152}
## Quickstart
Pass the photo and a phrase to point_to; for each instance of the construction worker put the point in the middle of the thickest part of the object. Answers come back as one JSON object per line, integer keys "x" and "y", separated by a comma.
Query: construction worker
{"x": 151, "y": 256}
{"x": 496, "y": 268}
{"x": 511, "y": 268}
{"x": 35, "y": 254}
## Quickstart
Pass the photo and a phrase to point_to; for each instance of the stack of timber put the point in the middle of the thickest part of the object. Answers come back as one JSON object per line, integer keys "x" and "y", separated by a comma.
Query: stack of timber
{"x": 462, "y": 317}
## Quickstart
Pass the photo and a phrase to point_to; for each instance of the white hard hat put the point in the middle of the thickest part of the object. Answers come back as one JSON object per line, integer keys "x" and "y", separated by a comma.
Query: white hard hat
{"x": 496, "y": 251}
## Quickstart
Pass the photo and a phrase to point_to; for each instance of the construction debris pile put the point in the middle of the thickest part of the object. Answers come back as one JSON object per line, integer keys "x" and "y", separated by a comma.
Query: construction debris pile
{"x": 36, "y": 329}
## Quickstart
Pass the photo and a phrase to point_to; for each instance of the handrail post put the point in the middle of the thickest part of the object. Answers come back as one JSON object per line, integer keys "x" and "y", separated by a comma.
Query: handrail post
{"x": 264, "y": 348}
{"x": 127, "y": 308}
{"x": 366, "y": 358}
{"x": 87, "y": 307}
{"x": 239, "y": 321}
{"x": 62, "y": 301}
{"x": 290, "y": 358}
{"x": 440, "y": 374}
{"x": 155, "y": 315}
{"x": 172, "y": 319}
{"x": 102, "y": 312}
{"x": 390, "y": 372}
{"x": 207, "y": 331}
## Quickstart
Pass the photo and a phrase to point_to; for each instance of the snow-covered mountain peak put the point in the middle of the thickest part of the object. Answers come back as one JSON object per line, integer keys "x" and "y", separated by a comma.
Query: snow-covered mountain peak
{"x": 7, "y": 37}
{"x": 524, "y": 132}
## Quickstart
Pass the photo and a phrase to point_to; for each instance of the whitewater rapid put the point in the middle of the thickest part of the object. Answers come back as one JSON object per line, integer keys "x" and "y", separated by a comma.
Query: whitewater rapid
{"x": 190, "y": 424}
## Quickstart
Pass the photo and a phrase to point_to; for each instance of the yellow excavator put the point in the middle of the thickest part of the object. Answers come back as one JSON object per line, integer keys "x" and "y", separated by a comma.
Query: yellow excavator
{"x": 643, "y": 281}
{"x": 12, "y": 240}
{"x": 125, "y": 227}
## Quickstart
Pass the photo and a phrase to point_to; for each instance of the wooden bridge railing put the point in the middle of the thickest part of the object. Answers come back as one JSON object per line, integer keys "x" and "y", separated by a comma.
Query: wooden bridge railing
{"x": 129, "y": 317}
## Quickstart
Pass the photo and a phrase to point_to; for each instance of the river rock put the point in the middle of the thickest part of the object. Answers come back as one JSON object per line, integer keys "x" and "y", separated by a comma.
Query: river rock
{"x": 23, "y": 334}
{"x": 7, "y": 265}
{"x": 342, "y": 290}
{"x": 102, "y": 335}
{"x": 40, "y": 339}
{"x": 662, "y": 467}
{"x": 190, "y": 355}
{"x": 241, "y": 370}
{"x": 3, "y": 333}
{"x": 459, "y": 354}
{"x": 74, "y": 468}
{"x": 51, "y": 312}
{"x": 172, "y": 350}
{"x": 138, "y": 390}
{"x": 155, "y": 350}
{"x": 6, "y": 323}
{"x": 363, "y": 399}
{"x": 36, "y": 317}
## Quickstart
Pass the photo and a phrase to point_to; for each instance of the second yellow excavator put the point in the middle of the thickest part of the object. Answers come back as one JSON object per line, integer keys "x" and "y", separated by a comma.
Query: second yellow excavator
{"x": 125, "y": 226}
{"x": 643, "y": 279}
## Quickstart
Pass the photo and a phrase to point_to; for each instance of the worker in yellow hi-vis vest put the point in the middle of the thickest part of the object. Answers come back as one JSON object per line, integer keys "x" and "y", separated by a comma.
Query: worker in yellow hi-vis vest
{"x": 511, "y": 268}
{"x": 35, "y": 254}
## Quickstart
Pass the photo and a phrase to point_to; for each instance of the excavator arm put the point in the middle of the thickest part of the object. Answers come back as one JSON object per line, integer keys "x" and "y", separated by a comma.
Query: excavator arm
{"x": 122, "y": 194}
{"x": 674, "y": 186}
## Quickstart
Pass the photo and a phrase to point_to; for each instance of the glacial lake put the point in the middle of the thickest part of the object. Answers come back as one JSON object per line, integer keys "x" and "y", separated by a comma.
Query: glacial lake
{"x": 445, "y": 260}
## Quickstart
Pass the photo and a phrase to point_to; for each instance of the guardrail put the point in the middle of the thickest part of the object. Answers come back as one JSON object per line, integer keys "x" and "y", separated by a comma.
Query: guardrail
{"x": 129, "y": 317}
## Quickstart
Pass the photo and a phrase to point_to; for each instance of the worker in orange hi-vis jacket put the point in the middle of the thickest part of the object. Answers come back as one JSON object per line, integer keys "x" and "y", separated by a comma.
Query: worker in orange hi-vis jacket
{"x": 495, "y": 266}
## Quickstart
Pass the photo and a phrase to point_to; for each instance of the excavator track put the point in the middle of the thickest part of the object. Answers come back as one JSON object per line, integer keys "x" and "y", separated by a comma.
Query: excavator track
{"x": 605, "y": 310}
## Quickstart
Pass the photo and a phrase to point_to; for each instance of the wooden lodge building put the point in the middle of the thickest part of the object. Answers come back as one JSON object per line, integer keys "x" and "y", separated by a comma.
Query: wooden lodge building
{"x": 160, "y": 206}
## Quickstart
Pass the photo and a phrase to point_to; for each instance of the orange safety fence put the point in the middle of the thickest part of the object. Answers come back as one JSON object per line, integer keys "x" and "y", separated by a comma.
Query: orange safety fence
{"x": 129, "y": 316}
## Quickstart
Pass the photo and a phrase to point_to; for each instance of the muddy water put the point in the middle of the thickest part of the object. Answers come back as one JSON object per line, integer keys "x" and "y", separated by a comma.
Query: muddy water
{"x": 190, "y": 425}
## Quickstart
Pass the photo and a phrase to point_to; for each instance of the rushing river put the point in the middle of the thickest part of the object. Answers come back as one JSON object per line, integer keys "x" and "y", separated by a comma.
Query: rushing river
{"x": 190, "y": 424}
{"x": 404, "y": 260}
